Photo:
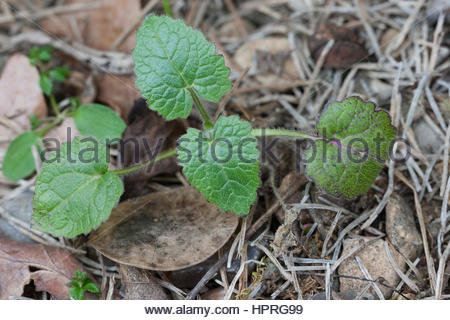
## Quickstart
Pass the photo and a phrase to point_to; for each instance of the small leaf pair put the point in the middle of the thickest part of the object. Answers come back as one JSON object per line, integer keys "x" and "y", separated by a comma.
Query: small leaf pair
{"x": 39, "y": 55}
{"x": 80, "y": 284}
{"x": 93, "y": 120}
{"x": 58, "y": 74}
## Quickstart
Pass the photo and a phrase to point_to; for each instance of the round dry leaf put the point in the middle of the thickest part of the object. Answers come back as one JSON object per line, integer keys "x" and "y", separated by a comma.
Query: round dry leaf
{"x": 20, "y": 95}
{"x": 346, "y": 51}
{"x": 270, "y": 57}
{"x": 165, "y": 231}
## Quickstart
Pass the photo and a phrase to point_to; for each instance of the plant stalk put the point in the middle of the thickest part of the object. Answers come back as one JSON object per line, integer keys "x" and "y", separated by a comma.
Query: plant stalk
{"x": 208, "y": 123}
{"x": 52, "y": 124}
{"x": 255, "y": 132}
{"x": 167, "y": 8}
{"x": 54, "y": 105}
{"x": 141, "y": 166}
{"x": 283, "y": 133}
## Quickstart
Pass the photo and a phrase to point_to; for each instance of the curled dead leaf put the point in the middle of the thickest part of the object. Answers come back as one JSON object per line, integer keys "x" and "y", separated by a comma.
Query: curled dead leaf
{"x": 20, "y": 95}
{"x": 56, "y": 267}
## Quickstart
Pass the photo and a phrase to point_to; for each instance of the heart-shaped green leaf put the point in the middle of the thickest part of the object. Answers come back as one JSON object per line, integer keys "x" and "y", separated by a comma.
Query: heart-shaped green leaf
{"x": 170, "y": 59}
{"x": 19, "y": 161}
{"x": 356, "y": 142}
{"x": 75, "y": 192}
{"x": 224, "y": 167}
{"x": 99, "y": 121}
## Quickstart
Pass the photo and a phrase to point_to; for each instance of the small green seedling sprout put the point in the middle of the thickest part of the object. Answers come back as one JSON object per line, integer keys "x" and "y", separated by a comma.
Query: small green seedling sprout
{"x": 175, "y": 68}
{"x": 91, "y": 119}
{"x": 39, "y": 57}
{"x": 80, "y": 284}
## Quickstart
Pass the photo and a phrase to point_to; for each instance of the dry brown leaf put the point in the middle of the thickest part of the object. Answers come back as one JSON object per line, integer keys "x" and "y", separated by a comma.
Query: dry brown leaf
{"x": 168, "y": 230}
{"x": 272, "y": 50}
{"x": 13, "y": 277}
{"x": 150, "y": 130}
{"x": 347, "y": 48}
{"x": 99, "y": 28}
{"x": 139, "y": 284}
{"x": 117, "y": 91}
{"x": 20, "y": 95}
{"x": 229, "y": 30}
{"x": 81, "y": 85}
{"x": 56, "y": 268}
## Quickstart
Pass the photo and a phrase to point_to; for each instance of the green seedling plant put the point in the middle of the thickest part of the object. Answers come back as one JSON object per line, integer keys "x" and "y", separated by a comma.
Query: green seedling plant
{"x": 80, "y": 284}
{"x": 19, "y": 161}
{"x": 176, "y": 67}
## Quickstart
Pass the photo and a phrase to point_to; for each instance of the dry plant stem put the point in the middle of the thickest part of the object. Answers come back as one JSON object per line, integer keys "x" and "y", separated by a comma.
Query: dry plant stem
{"x": 441, "y": 271}
{"x": 330, "y": 233}
{"x": 192, "y": 12}
{"x": 72, "y": 8}
{"x": 423, "y": 231}
{"x": 237, "y": 18}
{"x": 274, "y": 86}
{"x": 106, "y": 61}
{"x": 236, "y": 277}
{"x": 316, "y": 71}
{"x": 367, "y": 275}
{"x": 131, "y": 27}
{"x": 258, "y": 224}
{"x": 396, "y": 268}
{"x": 445, "y": 162}
{"x": 443, "y": 217}
{"x": 406, "y": 27}
{"x": 228, "y": 96}
{"x": 208, "y": 276}
{"x": 363, "y": 17}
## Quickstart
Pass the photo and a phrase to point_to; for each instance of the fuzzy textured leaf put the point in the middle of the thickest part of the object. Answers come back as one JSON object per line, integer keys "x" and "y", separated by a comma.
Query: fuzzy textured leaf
{"x": 356, "y": 142}
{"x": 223, "y": 167}
{"x": 170, "y": 59}
{"x": 77, "y": 193}
{"x": 19, "y": 161}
